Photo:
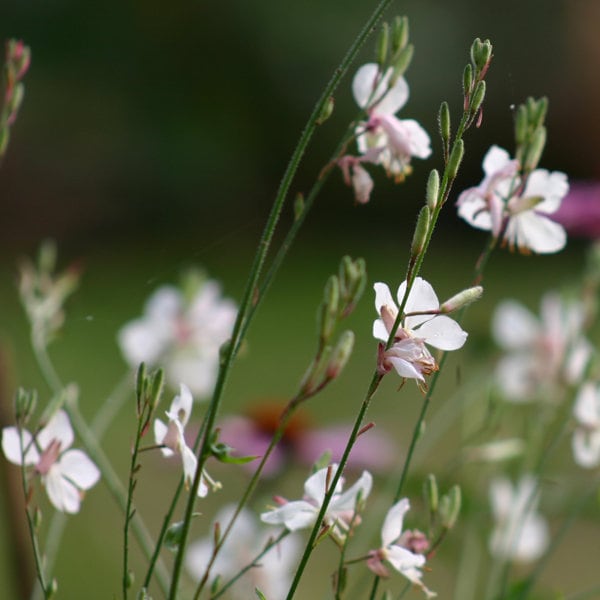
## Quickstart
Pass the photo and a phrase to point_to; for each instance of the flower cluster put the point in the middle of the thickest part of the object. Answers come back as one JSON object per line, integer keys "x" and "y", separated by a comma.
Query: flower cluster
{"x": 422, "y": 324}
{"x": 65, "y": 473}
{"x": 515, "y": 207}
{"x": 182, "y": 334}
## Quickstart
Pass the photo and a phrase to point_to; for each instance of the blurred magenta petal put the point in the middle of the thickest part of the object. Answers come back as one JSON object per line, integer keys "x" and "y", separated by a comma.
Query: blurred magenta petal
{"x": 579, "y": 212}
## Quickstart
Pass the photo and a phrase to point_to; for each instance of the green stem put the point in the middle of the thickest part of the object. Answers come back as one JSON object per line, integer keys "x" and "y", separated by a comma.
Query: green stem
{"x": 251, "y": 286}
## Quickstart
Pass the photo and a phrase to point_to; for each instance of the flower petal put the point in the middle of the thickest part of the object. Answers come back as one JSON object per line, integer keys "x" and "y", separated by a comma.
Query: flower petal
{"x": 392, "y": 526}
{"x": 315, "y": 487}
{"x": 160, "y": 432}
{"x": 552, "y": 187}
{"x": 293, "y": 515}
{"x": 422, "y": 297}
{"x": 347, "y": 500}
{"x": 12, "y": 443}
{"x": 405, "y": 368}
{"x": 77, "y": 467}
{"x": 442, "y": 332}
{"x": 586, "y": 448}
{"x": 587, "y": 405}
{"x": 514, "y": 327}
{"x": 530, "y": 230}
{"x": 473, "y": 208}
{"x": 365, "y": 91}
{"x": 181, "y": 407}
{"x": 58, "y": 428}
{"x": 61, "y": 492}
{"x": 495, "y": 160}
{"x": 383, "y": 297}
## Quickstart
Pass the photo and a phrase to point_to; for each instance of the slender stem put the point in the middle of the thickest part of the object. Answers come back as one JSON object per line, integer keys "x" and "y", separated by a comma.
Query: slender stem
{"x": 251, "y": 286}
{"x": 53, "y": 537}
{"x": 111, "y": 406}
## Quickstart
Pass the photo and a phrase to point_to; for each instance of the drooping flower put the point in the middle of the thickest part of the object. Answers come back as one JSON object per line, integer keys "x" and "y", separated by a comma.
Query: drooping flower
{"x": 66, "y": 474}
{"x": 396, "y": 140}
{"x": 541, "y": 353}
{"x": 171, "y": 437}
{"x": 301, "y": 514}
{"x": 182, "y": 335}
{"x": 421, "y": 325}
{"x": 395, "y": 551}
{"x": 586, "y": 438}
{"x": 518, "y": 210}
{"x": 520, "y": 534}
{"x": 271, "y": 574}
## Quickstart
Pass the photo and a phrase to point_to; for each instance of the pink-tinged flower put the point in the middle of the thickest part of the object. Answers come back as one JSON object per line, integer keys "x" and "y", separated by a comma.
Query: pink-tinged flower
{"x": 421, "y": 325}
{"x": 302, "y": 442}
{"x": 579, "y": 212}
{"x": 172, "y": 438}
{"x": 517, "y": 210}
{"x": 271, "y": 574}
{"x": 395, "y": 549}
{"x": 586, "y": 438}
{"x": 301, "y": 514}
{"x": 520, "y": 534}
{"x": 356, "y": 176}
{"x": 184, "y": 336}
{"x": 396, "y": 140}
{"x": 65, "y": 473}
{"x": 542, "y": 353}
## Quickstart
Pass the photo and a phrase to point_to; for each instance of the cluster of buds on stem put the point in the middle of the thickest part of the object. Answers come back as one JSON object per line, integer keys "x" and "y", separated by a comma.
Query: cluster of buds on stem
{"x": 443, "y": 510}
{"x": 474, "y": 79}
{"x": 393, "y": 50}
{"x": 17, "y": 62}
{"x": 148, "y": 391}
{"x": 530, "y": 132}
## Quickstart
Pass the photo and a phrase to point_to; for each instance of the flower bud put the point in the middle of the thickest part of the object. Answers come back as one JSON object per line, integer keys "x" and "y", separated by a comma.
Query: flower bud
{"x": 521, "y": 125}
{"x": 450, "y": 507}
{"x": 433, "y": 189}
{"x": 478, "y": 96}
{"x": 25, "y": 405}
{"x": 534, "y": 152}
{"x": 51, "y": 589}
{"x": 173, "y": 536}
{"x": 382, "y": 45}
{"x": 539, "y": 115}
{"x": 467, "y": 81}
{"x": 462, "y": 299}
{"x": 475, "y": 50}
{"x": 455, "y": 158}
{"x": 158, "y": 379}
{"x": 328, "y": 311}
{"x": 326, "y": 110}
{"x": 140, "y": 381}
{"x": 444, "y": 122}
{"x": 400, "y": 34}
{"x": 353, "y": 279}
{"x": 402, "y": 63}
{"x": 129, "y": 579}
{"x": 430, "y": 491}
{"x": 341, "y": 354}
{"x": 421, "y": 230}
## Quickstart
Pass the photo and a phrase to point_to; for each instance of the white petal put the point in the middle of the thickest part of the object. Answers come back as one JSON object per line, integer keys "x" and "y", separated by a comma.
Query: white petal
{"x": 182, "y": 404}
{"x": 405, "y": 562}
{"x": 532, "y": 540}
{"x": 62, "y": 493}
{"x": 422, "y": 297}
{"x": 553, "y": 187}
{"x": 495, "y": 160}
{"x": 198, "y": 370}
{"x": 362, "y": 184}
{"x": 140, "y": 341}
{"x": 516, "y": 378}
{"x": 392, "y": 526}
{"x": 514, "y": 327}
{"x": 77, "y": 467}
{"x": 501, "y": 497}
{"x": 160, "y": 432}
{"x": 417, "y": 139}
{"x": 405, "y": 368}
{"x": 164, "y": 304}
{"x": 58, "y": 428}
{"x": 396, "y": 97}
{"x": 383, "y": 297}
{"x": 535, "y": 232}
{"x": 363, "y": 86}
{"x": 379, "y": 331}
{"x": 442, "y": 332}
{"x": 315, "y": 487}
{"x": 294, "y": 515}
{"x": 587, "y": 405}
{"x": 347, "y": 500}
{"x": 473, "y": 208}
{"x": 189, "y": 462}
{"x": 586, "y": 448}
{"x": 12, "y": 443}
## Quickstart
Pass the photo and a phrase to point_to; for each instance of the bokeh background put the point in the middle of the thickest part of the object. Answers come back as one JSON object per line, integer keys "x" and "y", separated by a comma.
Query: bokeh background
{"x": 152, "y": 138}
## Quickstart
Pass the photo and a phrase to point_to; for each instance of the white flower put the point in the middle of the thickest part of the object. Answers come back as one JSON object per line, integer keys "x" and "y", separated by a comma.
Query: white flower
{"x": 65, "y": 473}
{"x": 520, "y": 533}
{"x": 586, "y": 438}
{"x": 502, "y": 199}
{"x": 185, "y": 337}
{"x": 271, "y": 574}
{"x": 408, "y": 355}
{"x": 396, "y": 140}
{"x": 171, "y": 436}
{"x": 541, "y": 353}
{"x": 301, "y": 514}
{"x": 393, "y": 551}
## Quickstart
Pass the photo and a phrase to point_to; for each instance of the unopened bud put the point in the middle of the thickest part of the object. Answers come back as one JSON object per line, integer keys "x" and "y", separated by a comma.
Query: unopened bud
{"x": 455, "y": 158}
{"x": 140, "y": 381}
{"x": 328, "y": 311}
{"x": 400, "y": 34}
{"x": 51, "y": 589}
{"x": 475, "y": 49}
{"x": 534, "y": 152}
{"x": 521, "y": 125}
{"x": 382, "y": 45}
{"x": 402, "y": 63}
{"x": 158, "y": 380}
{"x": 483, "y": 55}
{"x": 173, "y": 536}
{"x": 450, "y": 507}
{"x": 430, "y": 490}
{"x": 433, "y": 189}
{"x": 539, "y": 115}
{"x": 326, "y": 110}
{"x": 421, "y": 231}
{"x": 25, "y": 405}
{"x": 129, "y": 579}
{"x": 462, "y": 299}
{"x": 298, "y": 206}
{"x": 353, "y": 279}
{"x": 467, "y": 81}
{"x": 444, "y": 122}
{"x": 478, "y": 96}
{"x": 341, "y": 354}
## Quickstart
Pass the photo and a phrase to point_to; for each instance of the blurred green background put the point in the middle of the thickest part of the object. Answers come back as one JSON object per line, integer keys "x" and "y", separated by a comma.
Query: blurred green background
{"x": 152, "y": 137}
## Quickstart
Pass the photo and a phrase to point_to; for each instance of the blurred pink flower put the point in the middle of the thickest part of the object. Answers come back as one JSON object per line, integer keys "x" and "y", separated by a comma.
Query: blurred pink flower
{"x": 579, "y": 212}
{"x": 251, "y": 434}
